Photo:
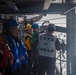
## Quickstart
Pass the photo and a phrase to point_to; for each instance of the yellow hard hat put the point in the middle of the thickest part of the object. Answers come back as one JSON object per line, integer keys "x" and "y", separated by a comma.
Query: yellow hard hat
{"x": 28, "y": 26}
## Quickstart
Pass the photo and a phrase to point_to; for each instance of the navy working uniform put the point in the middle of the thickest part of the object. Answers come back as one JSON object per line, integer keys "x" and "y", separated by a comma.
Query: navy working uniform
{"x": 48, "y": 44}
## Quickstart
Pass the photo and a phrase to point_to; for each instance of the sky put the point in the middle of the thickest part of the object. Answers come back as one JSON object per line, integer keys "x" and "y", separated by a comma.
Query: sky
{"x": 57, "y": 19}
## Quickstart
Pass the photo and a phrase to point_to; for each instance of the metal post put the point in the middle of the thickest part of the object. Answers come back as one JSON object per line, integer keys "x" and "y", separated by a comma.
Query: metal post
{"x": 68, "y": 45}
{"x": 60, "y": 64}
{"x": 71, "y": 43}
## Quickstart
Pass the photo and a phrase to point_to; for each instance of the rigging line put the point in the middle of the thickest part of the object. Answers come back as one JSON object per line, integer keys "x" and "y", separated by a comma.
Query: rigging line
{"x": 54, "y": 19}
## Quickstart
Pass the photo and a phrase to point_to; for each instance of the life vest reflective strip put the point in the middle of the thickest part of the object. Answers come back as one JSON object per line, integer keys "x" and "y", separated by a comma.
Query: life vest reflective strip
{"x": 47, "y": 45}
{"x": 6, "y": 54}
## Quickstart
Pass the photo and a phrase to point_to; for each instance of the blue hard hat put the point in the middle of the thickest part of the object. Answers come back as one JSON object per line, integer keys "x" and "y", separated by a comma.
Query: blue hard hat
{"x": 10, "y": 23}
{"x": 34, "y": 26}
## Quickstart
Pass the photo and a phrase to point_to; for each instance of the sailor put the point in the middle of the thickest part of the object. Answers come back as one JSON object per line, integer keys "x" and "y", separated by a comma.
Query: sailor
{"x": 48, "y": 44}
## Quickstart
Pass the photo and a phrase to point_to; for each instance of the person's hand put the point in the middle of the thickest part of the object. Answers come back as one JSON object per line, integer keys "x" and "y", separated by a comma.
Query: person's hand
{"x": 1, "y": 73}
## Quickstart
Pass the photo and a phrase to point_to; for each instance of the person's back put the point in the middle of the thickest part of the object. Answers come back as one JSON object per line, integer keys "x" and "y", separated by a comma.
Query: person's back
{"x": 48, "y": 44}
